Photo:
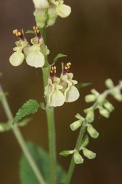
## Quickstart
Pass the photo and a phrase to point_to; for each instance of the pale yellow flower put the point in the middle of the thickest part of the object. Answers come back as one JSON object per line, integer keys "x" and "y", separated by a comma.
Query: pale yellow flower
{"x": 52, "y": 91}
{"x": 71, "y": 93}
{"x": 42, "y": 4}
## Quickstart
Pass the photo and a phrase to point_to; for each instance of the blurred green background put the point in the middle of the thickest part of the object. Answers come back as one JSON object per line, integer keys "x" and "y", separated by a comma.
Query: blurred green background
{"x": 92, "y": 39}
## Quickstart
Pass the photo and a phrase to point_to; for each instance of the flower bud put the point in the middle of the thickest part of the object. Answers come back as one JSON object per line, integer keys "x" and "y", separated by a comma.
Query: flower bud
{"x": 90, "y": 116}
{"x": 94, "y": 92}
{"x": 40, "y": 17}
{"x": 78, "y": 159}
{"x": 116, "y": 94}
{"x": 104, "y": 112}
{"x": 66, "y": 152}
{"x": 108, "y": 106}
{"x": 52, "y": 15}
{"x": 101, "y": 98}
{"x": 109, "y": 83}
{"x": 74, "y": 126}
{"x": 90, "y": 98}
{"x": 93, "y": 133}
{"x": 85, "y": 141}
{"x": 78, "y": 116}
{"x": 89, "y": 154}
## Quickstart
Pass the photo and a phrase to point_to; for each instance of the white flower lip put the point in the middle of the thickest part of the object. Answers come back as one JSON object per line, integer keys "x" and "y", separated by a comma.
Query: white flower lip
{"x": 42, "y": 4}
{"x": 35, "y": 59}
{"x": 16, "y": 58}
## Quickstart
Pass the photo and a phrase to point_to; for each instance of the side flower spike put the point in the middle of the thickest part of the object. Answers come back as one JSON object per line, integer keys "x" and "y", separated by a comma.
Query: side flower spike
{"x": 52, "y": 91}
{"x": 71, "y": 93}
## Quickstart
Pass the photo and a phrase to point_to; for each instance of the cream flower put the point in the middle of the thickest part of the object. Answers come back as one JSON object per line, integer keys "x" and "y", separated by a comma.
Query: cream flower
{"x": 17, "y": 58}
{"x": 71, "y": 93}
{"x": 62, "y": 9}
{"x": 52, "y": 91}
{"x": 35, "y": 58}
{"x": 36, "y": 52}
{"x": 42, "y": 4}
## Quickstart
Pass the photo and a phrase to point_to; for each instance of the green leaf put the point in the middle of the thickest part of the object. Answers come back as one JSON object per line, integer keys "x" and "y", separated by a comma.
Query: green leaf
{"x": 42, "y": 106}
{"x": 82, "y": 85}
{"x": 4, "y": 127}
{"x": 41, "y": 158}
{"x": 30, "y": 32}
{"x": 57, "y": 57}
{"x": 24, "y": 122}
{"x": 30, "y": 107}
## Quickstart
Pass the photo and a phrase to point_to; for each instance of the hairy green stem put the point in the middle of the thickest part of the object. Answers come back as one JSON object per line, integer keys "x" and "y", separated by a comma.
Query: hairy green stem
{"x": 72, "y": 163}
{"x": 51, "y": 132}
{"x": 20, "y": 139}
{"x": 50, "y": 121}
{"x": 52, "y": 144}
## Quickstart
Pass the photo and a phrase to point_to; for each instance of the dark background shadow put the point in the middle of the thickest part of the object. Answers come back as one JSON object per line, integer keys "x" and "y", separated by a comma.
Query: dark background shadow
{"x": 92, "y": 39}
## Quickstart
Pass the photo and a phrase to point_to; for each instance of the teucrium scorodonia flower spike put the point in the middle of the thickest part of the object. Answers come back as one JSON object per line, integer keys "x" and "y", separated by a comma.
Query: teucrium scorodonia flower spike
{"x": 46, "y": 12}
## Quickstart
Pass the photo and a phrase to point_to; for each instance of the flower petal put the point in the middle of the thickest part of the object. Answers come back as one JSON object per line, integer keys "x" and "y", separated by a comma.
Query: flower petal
{"x": 42, "y": 4}
{"x": 35, "y": 59}
{"x": 63, "y": 10}
{"x": 57, "y": 98}
{"x": 16, "y": 58}
{"x": 72, "y": 94}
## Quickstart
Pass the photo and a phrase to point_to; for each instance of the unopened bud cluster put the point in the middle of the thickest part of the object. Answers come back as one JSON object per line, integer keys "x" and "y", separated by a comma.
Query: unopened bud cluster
{"x": 78, "y": 159}
{"x": 47, "y": 11}
{"x": 105, "y": 108}
{"x": 100, "y": 101}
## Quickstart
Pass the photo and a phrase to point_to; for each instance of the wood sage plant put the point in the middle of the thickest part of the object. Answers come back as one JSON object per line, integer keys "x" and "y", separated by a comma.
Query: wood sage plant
{"x": 37, "y": 166}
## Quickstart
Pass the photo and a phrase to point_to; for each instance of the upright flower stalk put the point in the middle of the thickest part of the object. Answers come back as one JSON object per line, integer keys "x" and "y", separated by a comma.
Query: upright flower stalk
{"x": 20, "y": 139}
{"x": 58, "y": 90}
